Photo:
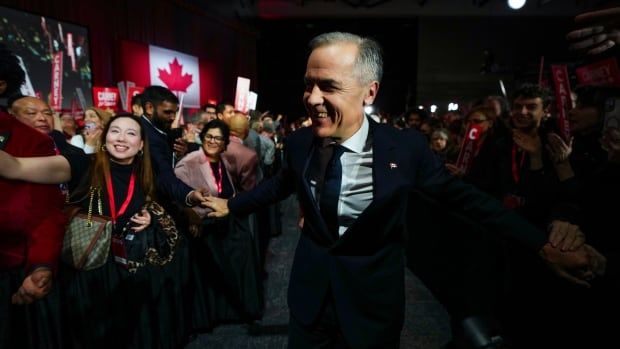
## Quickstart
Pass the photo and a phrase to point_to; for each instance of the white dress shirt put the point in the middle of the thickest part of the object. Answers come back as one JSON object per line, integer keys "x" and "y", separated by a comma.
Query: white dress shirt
{"x": 356, "y": 188}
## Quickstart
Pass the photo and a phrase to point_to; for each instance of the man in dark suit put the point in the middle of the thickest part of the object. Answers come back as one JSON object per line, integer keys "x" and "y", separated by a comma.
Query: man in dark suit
{"x": 353, "y": 178}
{"x": 160, "y": 107}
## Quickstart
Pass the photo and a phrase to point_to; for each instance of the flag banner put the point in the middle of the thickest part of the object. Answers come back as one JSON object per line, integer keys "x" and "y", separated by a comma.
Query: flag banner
{"x": 561, "y": 83}
{"x": 176, "y": 71}
{"x": 56, "y": 92}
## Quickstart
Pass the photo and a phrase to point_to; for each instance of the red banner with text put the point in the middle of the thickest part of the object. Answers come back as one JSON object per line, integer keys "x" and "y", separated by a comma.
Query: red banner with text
{"x": 106, "y": 97}
{"x": 561, "y": 83}
{"x": 56, "y": 90}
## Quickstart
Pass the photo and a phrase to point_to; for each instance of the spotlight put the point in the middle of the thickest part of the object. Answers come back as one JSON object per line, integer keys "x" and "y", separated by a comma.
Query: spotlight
{"x": 433, "y": 108}
{"x": 516, "y": 4}
{"x": 420, "y": 107}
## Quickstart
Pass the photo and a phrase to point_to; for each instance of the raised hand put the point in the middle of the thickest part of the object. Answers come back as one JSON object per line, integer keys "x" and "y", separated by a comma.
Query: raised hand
{"x": 558, "y": 150}
{"x": 601, "y": 31}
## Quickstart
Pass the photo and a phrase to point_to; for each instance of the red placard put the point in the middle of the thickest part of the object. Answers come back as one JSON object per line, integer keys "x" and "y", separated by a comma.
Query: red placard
{"x": 132, "y": 91}
{"x": 603, "y": 72}
{"x": 562, "y": 98}
{"x": 241, "y": 96}
{"x": 105, "y": 97}
{"x": 469, "y": 148}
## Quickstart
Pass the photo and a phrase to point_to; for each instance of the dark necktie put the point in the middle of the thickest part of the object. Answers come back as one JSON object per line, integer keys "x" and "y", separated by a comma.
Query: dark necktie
{"x": 330, "y": 191}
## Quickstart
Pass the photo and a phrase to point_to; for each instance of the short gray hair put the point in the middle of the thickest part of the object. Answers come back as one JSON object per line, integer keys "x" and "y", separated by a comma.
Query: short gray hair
{"x": 369, "y": 61}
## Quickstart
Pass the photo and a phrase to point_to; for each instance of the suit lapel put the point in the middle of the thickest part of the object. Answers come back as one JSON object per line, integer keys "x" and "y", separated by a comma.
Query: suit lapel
{"x": 385, "y": 174}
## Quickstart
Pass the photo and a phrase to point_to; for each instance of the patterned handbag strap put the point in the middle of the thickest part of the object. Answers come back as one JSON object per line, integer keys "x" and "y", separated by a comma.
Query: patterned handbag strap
{"x": 89, "y": 223}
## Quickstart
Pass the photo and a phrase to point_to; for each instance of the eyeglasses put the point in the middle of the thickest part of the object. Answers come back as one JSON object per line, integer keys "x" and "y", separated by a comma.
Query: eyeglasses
{"x": 216, "y": 139}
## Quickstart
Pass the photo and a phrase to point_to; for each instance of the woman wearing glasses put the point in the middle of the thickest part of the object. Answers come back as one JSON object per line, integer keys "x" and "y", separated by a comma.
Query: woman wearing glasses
{"x": 226, "y": 278}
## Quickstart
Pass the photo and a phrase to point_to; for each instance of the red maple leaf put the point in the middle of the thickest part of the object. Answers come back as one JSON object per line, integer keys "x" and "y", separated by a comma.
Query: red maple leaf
{"x": 175, "y": 80}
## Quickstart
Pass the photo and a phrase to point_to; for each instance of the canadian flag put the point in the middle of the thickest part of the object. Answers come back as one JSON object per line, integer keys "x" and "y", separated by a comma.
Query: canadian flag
{"x": 192, "y": 79}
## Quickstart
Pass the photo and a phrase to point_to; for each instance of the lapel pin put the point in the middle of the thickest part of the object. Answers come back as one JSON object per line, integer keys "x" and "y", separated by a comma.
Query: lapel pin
{"x": 393, "y": 165}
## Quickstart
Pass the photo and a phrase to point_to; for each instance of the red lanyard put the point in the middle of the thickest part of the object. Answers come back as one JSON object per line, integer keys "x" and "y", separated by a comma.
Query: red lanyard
{"x": 516, "y": 171}
{"x": 218, "y": 182}
{"x": 121, "y": 211}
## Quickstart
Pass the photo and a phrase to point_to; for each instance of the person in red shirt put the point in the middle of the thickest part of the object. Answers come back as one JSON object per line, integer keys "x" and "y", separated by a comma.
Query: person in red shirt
{"x": 31, "y": 232}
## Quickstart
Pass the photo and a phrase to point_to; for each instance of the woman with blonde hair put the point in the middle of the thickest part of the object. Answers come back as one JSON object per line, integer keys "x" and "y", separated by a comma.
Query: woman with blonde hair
{"x": 95, "y": 120}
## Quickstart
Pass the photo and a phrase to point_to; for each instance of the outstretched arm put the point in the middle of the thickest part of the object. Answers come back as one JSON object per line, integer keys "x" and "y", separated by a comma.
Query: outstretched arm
{"x": 43, "y": 170}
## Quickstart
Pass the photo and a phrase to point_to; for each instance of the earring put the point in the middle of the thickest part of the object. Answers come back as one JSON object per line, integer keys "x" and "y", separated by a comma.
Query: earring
{"x": 140, "y": 152}
{"x": 103, "y": 148}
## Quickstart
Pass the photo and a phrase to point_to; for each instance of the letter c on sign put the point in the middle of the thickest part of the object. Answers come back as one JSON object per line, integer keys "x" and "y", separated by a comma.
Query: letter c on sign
{"x": 473, "y": 134}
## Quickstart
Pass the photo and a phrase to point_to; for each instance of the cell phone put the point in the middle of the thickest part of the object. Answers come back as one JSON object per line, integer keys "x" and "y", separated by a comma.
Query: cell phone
{"x": 90, "y": 126}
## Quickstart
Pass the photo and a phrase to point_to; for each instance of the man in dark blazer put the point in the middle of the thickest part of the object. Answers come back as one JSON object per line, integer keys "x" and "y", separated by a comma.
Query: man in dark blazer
{"x": 347, "y": 281}
{"x": 160, "y": 107}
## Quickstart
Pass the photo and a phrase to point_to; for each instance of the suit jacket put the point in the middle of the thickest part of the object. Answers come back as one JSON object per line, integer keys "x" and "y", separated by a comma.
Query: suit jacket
{"x": 242, "y": 162}
{"x": 363, "y": 270}
{"x": 32, "y": 224}
{"x": 161, "y": 159}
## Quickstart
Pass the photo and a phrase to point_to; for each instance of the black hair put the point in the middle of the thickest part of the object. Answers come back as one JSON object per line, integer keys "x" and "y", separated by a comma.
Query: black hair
{"x": 217, "y": 123}
{"x": 10, "y": 71}
{"x": 157, "y": 95}
{"x": 533, "y": 91}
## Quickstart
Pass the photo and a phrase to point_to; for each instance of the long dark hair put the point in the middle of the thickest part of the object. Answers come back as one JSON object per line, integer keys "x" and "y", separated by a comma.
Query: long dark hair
{"x": 101, "y": 165}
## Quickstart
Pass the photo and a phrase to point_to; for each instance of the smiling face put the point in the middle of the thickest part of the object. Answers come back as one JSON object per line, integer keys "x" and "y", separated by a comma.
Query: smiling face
{"x": 123, "y": 140}
{"x": 527, "y": 113}
{"x": 90, "y": 116}
{"x": 213, "y": 144}
{"x": 334, "y": 97}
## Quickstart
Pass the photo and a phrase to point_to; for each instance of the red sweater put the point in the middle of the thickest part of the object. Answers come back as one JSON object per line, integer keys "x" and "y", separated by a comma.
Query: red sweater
{"x": 31, "y": 220}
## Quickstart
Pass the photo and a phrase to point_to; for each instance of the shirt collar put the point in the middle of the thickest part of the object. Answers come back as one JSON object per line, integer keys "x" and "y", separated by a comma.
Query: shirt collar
{"x": 357, "y": 142}
{"x": 150, "y": 123}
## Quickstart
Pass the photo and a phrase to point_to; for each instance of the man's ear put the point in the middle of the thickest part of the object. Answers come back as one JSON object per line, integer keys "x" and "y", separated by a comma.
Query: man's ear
{"x": 3, "y": 86}
{"x": 149, "y": 109}
{"x": 371, "y": 92}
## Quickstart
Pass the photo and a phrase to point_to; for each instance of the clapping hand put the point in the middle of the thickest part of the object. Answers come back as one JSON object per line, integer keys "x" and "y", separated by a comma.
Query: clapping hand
{"x": 558, "y": 150}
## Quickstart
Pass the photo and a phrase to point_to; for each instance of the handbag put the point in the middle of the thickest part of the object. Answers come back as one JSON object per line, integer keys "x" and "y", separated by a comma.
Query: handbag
{"x": 153, "y": 246}
{"x": 86, "y": 244}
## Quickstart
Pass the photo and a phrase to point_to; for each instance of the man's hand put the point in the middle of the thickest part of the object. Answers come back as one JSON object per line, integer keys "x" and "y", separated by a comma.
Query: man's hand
{"x": 573, "y": 266}
{"x": 529, "y": 142}
{"x": 455, "y": 170}
{"x": 558, "y": 150}
{"x": 196, "y": 197}
{"x": 566, "y": 236}
{"x": 218, "y": 205}
{"x": 601, "y": 33}
{"x": 598, "y": 262}
{"x": 180, "y": 147}
{"x": 35, "y": 286}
